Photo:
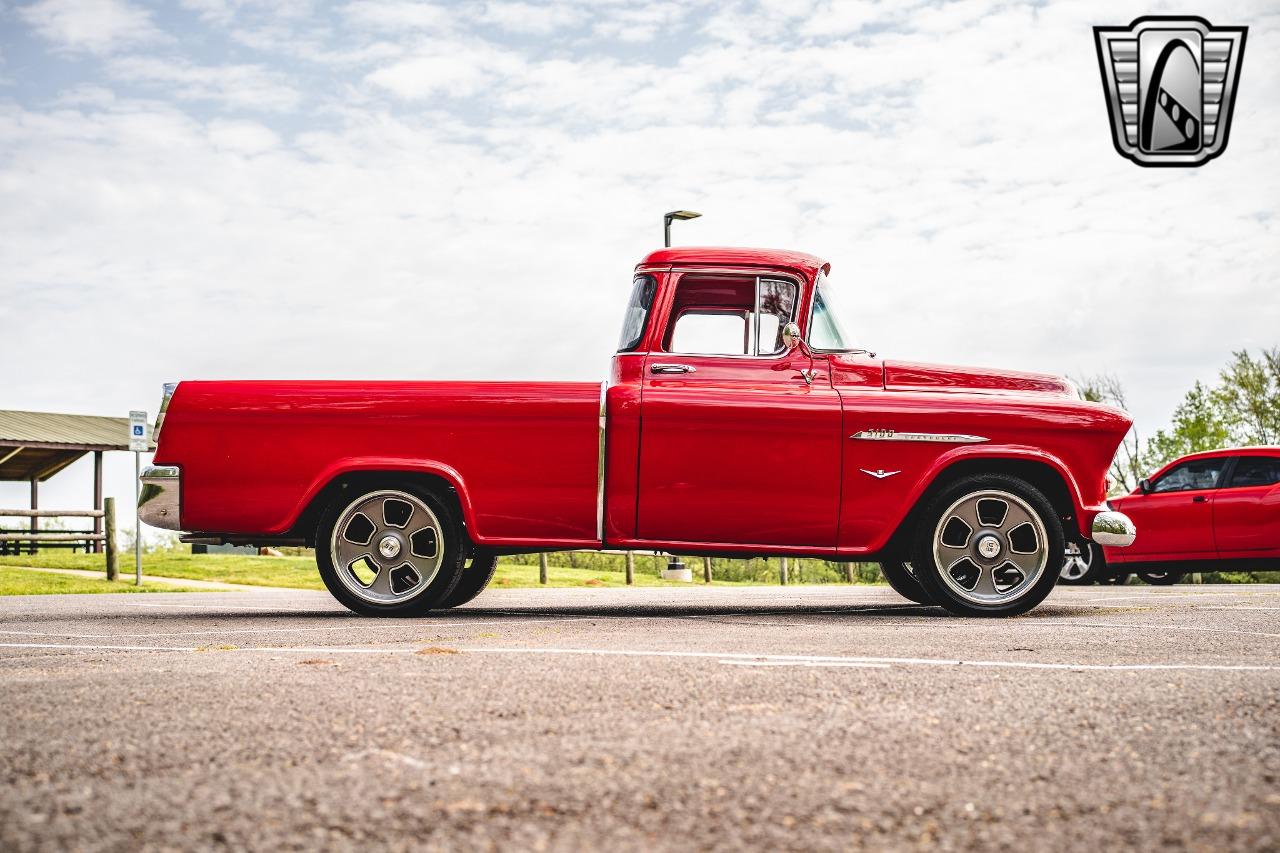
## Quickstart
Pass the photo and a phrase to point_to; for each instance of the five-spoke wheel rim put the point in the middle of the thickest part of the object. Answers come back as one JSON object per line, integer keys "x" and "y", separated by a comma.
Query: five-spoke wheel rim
{"x": 387, "y": 547}
{"x": 991, "y": 547}
{"x": 1078, "y": 560}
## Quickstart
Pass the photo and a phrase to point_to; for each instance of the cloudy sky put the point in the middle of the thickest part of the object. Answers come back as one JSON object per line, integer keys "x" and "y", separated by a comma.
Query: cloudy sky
{"x": 388, "y": 189}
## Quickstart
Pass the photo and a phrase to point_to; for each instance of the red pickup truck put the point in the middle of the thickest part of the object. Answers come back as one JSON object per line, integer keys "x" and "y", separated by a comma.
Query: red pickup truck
{"x": 738, "y": 419}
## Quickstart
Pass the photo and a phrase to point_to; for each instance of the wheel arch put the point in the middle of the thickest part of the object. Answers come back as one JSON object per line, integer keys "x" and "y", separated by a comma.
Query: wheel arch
{"x": 1045, "y": 473}
{"x": 371, "y": 473}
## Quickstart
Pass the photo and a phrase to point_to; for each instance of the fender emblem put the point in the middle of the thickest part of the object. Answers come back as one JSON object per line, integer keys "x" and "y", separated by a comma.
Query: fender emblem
{"x": 881, "y": 474}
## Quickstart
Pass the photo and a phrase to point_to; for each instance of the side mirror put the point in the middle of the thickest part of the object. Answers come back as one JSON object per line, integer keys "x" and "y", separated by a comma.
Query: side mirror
{"x": 1144, "y": 485}
{"x": 790, "y": 336}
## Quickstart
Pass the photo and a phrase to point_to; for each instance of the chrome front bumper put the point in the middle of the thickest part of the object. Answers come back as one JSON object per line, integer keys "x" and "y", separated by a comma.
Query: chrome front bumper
{"x": 158, "y": 501}
{"x": 1113, "y": 529}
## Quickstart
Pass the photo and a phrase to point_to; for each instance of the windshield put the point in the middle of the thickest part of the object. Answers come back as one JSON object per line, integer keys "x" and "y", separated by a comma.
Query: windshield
{"x": 642, "y": 289}
{"x": 824, "y": 328}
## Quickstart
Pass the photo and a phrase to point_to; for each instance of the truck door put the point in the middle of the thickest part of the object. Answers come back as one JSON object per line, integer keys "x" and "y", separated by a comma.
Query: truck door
{"x": 738, "y": 445}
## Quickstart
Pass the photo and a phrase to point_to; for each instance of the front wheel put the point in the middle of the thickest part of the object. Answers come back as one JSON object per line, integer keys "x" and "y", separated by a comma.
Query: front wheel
{"x": 394, "y": 551}
{"x": 988, "y": 545}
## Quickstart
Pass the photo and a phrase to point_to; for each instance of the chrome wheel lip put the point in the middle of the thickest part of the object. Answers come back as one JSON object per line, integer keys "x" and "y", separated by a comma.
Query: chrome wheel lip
{"x": 1004, "y": 557}
{"x": 425, "y": 568}
{"x": 1077, "y": 562}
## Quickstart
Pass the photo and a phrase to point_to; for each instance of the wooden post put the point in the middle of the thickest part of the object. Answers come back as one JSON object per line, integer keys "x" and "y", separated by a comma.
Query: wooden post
{"x": 706, "y": 569}
{"x": 542, "y": 568}
{"x": 782, "y": 574}
{"x": 113, "y": 556}
{"x": 35, "y": 521}
{"x": 631, "y": 567}
{"x": 97, "y": 498}
{"x": 848, "y": 572}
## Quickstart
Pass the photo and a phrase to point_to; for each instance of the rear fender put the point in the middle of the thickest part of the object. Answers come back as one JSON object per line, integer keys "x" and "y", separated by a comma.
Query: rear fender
{"x": 392, "y": 466}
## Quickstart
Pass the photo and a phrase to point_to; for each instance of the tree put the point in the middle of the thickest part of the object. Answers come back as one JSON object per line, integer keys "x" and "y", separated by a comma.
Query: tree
{"x": 1199, "y": 423}
{"x": 1127, "y": 466}
{"x": 1249, "y": 397}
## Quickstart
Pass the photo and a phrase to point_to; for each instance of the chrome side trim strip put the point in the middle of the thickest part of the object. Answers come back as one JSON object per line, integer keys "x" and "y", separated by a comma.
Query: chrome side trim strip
{"x": 604, "y": 388}
{"x": 894, "y": 435}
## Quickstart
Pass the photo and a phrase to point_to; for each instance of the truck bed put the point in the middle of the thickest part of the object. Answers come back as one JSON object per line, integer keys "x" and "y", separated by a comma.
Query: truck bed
{"x": 254, "y": 454}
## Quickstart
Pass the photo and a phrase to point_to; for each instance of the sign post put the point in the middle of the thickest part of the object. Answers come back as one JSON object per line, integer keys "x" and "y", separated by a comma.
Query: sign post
{"x": 138, "y": 442}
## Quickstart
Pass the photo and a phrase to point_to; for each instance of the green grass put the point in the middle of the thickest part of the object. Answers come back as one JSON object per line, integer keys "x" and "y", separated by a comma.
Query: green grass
{"x": 15, "y": 581}
{"x": 511, "y": 576}
{"x": 293, "y": 572}
{"x": 300, "y": 572}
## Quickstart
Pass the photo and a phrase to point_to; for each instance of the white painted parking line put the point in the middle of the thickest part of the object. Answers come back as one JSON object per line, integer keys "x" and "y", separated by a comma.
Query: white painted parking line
{"x": 420, "y": 625}
{"x": 839, "y": 664}
{"x": 660, "y": 653}
{"x": 1139, "y": 626}
{"x": 1004, "y": 664}
{"x": 223, "y": 606}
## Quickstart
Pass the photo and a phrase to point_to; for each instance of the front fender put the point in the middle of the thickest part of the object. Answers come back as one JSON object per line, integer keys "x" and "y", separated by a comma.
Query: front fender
{"x": 1000, "y": 456}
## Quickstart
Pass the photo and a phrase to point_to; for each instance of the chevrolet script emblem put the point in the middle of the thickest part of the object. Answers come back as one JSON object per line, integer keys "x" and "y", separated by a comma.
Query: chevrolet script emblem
{"x": 1170, "y": 84}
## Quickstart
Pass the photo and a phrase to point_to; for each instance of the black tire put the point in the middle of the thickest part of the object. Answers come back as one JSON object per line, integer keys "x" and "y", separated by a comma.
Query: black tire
{"x": 415, "y": 601}
{"x": 1083, "y": 566}
{"x": 1028, "y": 575}
{"x": 902, "y": 578}
{"x": 475, "y": 577}
{"x": 1162, "y": 578}
{"x": 1115, "y": 578}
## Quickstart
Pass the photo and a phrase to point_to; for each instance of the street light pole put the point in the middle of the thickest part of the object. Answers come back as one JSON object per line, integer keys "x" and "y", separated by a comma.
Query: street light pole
{"x": 666, "y": 223}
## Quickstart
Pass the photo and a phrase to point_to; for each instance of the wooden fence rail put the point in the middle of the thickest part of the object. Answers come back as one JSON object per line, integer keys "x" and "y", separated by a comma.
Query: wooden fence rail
{"x": 35, "y": 537}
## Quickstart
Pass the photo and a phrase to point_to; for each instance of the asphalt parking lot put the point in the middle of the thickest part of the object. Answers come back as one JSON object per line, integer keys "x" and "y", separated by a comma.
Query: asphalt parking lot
{"x": 701, "y": 718}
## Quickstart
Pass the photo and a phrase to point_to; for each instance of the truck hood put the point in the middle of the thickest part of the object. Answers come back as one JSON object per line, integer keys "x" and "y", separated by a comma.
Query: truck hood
{"x": 914, "y": 376}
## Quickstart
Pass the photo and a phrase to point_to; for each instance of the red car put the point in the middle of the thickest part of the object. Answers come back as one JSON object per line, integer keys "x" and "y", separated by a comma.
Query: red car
{"x": 738, "y": 419}
{"x": 1214, "y": 510}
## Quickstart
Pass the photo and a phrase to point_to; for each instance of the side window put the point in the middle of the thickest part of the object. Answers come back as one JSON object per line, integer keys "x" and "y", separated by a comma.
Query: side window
{"x": 1255, "y": 471}
{"x": 1196, "y": 474}
{"x": 730, "y": 315}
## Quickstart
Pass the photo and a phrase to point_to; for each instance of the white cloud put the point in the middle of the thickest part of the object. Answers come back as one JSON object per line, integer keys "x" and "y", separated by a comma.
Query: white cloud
{"x": 398, "y": 16}
{"x": 93, "y": 26}
{"x": 535, "y": 18}
{"x": 247, "y": 86}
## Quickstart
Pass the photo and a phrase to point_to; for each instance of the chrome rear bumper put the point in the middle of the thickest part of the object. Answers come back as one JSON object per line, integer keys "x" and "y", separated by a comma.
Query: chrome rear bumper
{"x": 158, "y": 501}
{"x": 1113, "y": 529}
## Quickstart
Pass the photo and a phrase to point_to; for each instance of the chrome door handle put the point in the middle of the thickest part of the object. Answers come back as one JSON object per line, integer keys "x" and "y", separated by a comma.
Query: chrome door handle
{"x": 671, "y": 368}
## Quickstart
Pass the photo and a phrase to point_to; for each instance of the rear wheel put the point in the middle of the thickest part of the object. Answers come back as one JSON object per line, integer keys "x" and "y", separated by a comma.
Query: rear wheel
{"x": 393, "y": 551}
{"x": 902, "y": 577}
{"x": 988, "y": 545}
{"x": 475, "y": 577}
{"x": 1162, "y": 578}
